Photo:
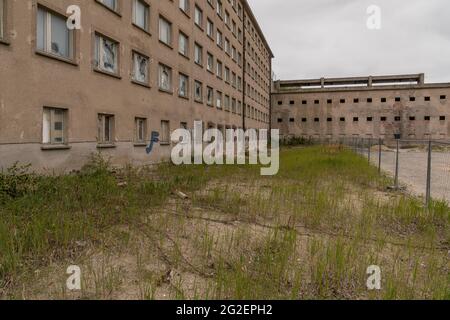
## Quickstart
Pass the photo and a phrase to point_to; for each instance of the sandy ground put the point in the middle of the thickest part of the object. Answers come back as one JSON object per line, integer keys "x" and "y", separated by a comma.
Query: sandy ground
{"x": 413, "y": 171}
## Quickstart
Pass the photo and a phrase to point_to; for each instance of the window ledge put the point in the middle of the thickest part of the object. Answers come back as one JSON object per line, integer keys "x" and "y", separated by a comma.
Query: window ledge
{"x": 106, "y": 146}
{"x": 141, "y": 29}
{"x": 55, "y": 147}
{"x": 184, "y": 56}
{"x": 166, "y": 91}
{"x": 109, "y": 9}
{"x": 183, "y": 97}
{"x": 185, "y": 13}
{"x": 142, "y": 84}
{"x": 166, "y": 44}
{"x": 106, "y": 73}
{"x": 5, "y": 42}
{"x": 140, "y": 144}
{"x": 55, "y": 57}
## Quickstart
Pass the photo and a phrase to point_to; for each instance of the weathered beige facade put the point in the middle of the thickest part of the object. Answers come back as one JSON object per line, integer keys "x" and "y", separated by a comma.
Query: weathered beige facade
{"x": 367, "y": 107}
{"x": 127, "y": 73}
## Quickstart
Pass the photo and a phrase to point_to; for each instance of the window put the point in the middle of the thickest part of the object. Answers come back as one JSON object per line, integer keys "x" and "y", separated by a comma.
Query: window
{"x": 165, "y": 31}
{"x": 383, "y": 119}
{"x": 280, "y": 120}
{"x": 443, "y": 97}
{"x": 227, "y": 75}
{"x": 53, "y": 36}
{"x": 198, "y": 17}
{"x": 141, "y": 130}
{"x": 210, "y": 29}
{"x": 105, "y": 128}
{"x": 369, "y": 100}
{"x": 398, "y": 99}
{"x": 329, "y": 119}
{"x": 412, "y": 99}
{"x": 140, "y": 68}
{"x": 141, "y": 14}
{"x": 329, "y": 101}
{"x": 183, "y": 44}
{"x": 106, "y": 58}
{"x": 304, "y": 102}
{"x": 355, "y": 100}
{"x": 316, "y": 102}
{"x": 383, "y": 100}
{"x": 165, "y": 78}
{"x": 2, "y": 19}
{"x": 316, "y": 120}
{"x": 219, "y": 8}
{"x": 219, "y": 39}
{"x": 442, "y": 118}
{"x": 291, "y": 119}
{"x": 412, "y": 118}
{"x": 198, "y": 91}
{"x": 183, "y": 90}
{"x": 198, "y": 52}
{"x": 304, "y": 120}
{"x": 210, "y": 62}
{"x": 165, "y": 132}
{"x": 342, "y": 101}
{"x": 184, "y": 125}
{"x": 427, "y": 98}
{"x": 219, "y": 69}
{"x": 398, "y": 119}
{"x": 111, "y": 4}
{"x": 427, "y": 118}
{"x": 184, "y": 5}
{"x": 355, "y": 119}
{"x": 54, "y": 126}
{"x": 342, "y": 119}
{"x": 219, "y": 100}
{"x": 369, "y": 119}
{"x": 292, "y": 102}
{"x": 210, "y": 96}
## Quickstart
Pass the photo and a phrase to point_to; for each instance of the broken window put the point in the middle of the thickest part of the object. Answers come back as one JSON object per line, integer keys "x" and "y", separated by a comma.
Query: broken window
{"x": 210, "y": 96}
{"x": 141, "y": 129}
{"x": 198, "y": 58}
{"x": 105, "y": 128}
{"x": 210, "y": 62}
{"x": 292, "y": 102}
{"x": 219, "y": 100}
{"x": 316, "y": 120}
{"x": 183, "y": 90}
{"x": 198, "y": 91}
{"x": 140, "y": 68}
{"x": 280, "y": 120}
{"x": 53, "y": 36}
{"x": 141, "y": 14}
{"x": 106, "y": 54}
{"x": 329, "y": 119}
{"x": 165, "y": 78}
{"x": 53, "y": 126}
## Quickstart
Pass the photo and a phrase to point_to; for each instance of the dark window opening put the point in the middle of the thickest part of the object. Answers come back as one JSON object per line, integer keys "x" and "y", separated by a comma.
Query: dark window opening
{"x": 412, "y": 118}
{"x": 316, "y": 119}
{"x": 342, "y": 100}
{"x": 329, "y": 101}
{"x": 412, "y": 99}
{"x": 355, "y": 100}
{"x": 383, "y": 119}
{"x": 443, "y": 97}
{"x": 292, "y": 102}
{"x": 398, "y": 99}
{"x": 427, "y": 118}
{"x": 369, "y": 100}
{"x": 280, "y": 103}
{"x": 427, "y": 98}
{"x": 342, "y": 119}
{"x": 369, "y": 119}
{"x": 442, "y": 118}
{"x": 355, "y": 119}
{"x": 291, "y": 120}
{"x": 383, "y": 100}
{"x": 316, "y": 101}
{"x": 280, "y": 120}
{"x": 329, "y": 119}
{"x": 304, "y": 119}
{"x": 304, "y": 102}
{"x": 398, "y": 118}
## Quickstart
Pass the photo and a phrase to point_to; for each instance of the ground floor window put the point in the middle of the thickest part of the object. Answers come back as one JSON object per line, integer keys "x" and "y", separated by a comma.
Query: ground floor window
{"x": 105, "y": 128}
{"x": 165, "y": 132}
{"x": 141, "y": 129}
{"x": 53, "y": 126}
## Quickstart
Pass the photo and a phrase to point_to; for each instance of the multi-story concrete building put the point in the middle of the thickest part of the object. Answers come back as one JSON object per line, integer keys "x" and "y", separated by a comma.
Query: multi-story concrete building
{"x": 368, "y": 107}
{"x": 135, "y": 67}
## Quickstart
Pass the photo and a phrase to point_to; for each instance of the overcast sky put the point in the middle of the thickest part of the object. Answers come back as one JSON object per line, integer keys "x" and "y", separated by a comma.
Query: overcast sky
{"x": 330, "y": 38}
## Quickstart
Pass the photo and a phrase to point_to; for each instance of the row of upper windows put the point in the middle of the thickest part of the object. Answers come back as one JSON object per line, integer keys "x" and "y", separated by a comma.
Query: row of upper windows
{"x": 254, "y": 57}
{"x": 254, "y": 94}
{"x": 255, "y": 114}
{"x": 368, "y": 100}
{"x": 252, "y": 73}
{"x": 368, "y": 119}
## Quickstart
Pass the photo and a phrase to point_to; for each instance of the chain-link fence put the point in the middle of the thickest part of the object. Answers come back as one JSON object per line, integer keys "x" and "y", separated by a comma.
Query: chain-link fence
{"x": 422, "y": 166}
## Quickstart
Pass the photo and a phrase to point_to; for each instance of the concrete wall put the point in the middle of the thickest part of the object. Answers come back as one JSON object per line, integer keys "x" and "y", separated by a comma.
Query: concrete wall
{"x": 30, "y": 81}
{"x": 412, "y": 114}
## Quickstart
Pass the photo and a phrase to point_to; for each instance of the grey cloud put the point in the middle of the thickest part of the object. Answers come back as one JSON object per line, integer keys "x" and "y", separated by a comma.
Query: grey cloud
{"x": 315, "y": 38}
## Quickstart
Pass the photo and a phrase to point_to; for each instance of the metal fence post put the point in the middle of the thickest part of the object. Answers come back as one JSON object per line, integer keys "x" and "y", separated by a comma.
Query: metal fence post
{"x": 396, "y": 165}
{"x": 428, "y": 193}
{"x": 379, "y": 155}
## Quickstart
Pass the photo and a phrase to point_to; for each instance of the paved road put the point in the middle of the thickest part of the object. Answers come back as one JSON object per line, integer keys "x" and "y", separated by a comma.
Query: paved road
{"x": 413, "y": 171}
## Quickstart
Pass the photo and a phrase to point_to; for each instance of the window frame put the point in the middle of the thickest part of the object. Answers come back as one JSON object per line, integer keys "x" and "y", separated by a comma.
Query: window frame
{"x": 51, "y": 129}
{"x": 133, "y": 79}
{"x": 98, "y": 57}
{"x": 137, "y": 122}
{"x": 101, "y": 126}
{"x": 147, "y": 16}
